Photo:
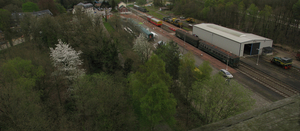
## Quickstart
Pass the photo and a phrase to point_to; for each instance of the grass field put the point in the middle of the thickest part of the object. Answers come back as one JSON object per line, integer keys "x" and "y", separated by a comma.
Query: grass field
{"x": 108, "y": 27}
{"x": 153, "y": 12}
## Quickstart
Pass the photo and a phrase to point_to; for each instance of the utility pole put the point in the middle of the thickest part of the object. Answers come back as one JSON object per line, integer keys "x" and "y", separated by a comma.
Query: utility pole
{"x": 228, "y": 59}
{"x": 257, "y": 56}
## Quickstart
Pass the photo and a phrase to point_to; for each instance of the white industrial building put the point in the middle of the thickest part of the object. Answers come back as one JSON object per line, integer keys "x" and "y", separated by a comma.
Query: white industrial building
{"x": 240, "y": 44}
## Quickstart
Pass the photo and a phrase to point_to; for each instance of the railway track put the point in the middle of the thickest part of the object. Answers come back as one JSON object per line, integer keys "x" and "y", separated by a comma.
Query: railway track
{"x": 290, "y": 72}
{"x": 272, "y": 83}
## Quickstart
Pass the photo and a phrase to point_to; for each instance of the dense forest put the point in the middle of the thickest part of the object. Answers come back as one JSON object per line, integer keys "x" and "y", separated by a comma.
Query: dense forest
{"x": 72, "y": 73}
{"x": 275, "y": 19}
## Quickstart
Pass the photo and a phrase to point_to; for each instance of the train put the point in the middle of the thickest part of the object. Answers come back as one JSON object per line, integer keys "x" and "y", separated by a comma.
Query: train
{"x": 173, "y": 21}
{"x": 220, "y": 54}
{"x": 154, "y": 21}
{"x": 140, "y": 8}
{"x": 284, "y": 62}
{"x": 141, "y": 29}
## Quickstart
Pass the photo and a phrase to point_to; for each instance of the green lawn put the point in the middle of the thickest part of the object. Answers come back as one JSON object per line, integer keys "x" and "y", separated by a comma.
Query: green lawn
{"x": 153, "y": 12}
{"x": 185, "y": 28}
{"x": 108, "y": 27}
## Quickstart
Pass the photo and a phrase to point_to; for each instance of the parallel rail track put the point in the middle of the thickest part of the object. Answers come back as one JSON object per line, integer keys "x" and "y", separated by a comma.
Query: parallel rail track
{"x": 285, "y": 72}
{"x": 272, "y": 83}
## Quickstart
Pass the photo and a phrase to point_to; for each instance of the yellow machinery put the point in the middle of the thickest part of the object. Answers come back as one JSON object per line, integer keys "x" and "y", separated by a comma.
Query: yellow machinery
{"x": 173, "y": 21}
{"x": 191, "y": 20}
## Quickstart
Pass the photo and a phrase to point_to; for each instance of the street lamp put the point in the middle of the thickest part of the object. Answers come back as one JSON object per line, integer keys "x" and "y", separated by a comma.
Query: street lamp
{"x": 228, "y": 59}
{"x": 257, "y": 56}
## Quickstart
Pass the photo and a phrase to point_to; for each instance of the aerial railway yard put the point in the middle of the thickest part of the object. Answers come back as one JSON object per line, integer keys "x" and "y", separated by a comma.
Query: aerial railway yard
{"x": 273, "y": 83}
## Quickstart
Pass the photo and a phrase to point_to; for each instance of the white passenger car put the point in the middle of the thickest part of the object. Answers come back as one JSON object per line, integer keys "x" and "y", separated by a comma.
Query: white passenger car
{"x": 226, "y": 73}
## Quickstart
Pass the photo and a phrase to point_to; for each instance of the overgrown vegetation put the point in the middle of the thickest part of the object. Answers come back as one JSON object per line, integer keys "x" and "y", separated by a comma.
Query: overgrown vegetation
{"x": 71, "y": 74}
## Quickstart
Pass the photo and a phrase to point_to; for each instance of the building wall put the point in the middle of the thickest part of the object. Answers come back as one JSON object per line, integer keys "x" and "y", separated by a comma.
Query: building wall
{"x": 123, "y": 10}
{"x": 222, "y": 42}
{"x": 228, "y": 44}
{"x": 263, "y": 43}
{"x": 86, "y": 10}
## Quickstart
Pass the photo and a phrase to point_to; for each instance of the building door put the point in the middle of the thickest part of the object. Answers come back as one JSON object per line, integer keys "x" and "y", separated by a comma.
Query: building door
{"x": 254, "y": 48}
{"x": 251, "y": 49}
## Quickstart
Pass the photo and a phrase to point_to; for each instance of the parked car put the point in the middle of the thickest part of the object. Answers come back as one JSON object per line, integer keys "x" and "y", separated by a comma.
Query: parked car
{"x": 181, "y": 17}
{"x": 226, "y": 73}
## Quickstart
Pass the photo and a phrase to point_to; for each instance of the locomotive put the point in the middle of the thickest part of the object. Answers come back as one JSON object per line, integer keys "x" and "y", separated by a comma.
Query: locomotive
{"x": 140, "y": 8}
{"x": 220, "y": 54}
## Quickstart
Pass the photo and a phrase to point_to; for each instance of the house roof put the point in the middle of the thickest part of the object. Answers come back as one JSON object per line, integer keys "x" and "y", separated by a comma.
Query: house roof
{"x": 122, "y": 7}
{"x": 234, "y": 35}
{"x": 17, "y": 15}
{"x": 87, "y": 5}
{"x": 98, "y": 4}
{"x": 42, "y": 12}
{"x": 20, "y": 15}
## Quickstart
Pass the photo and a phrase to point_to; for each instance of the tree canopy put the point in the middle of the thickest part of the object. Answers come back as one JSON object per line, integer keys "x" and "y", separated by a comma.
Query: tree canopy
{"x": 169, "y": 53}
{"x": 30, "y": 7}
{"x": 150, "y": 93}
{"x": 217, "y": 100}
{"x": 296, "y": 10}
{"x": 20, "y": 105}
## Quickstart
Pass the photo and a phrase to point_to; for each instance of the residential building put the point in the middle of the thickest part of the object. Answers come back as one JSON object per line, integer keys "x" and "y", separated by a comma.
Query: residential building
{"x": 122, "y": 9}
{"x": 86, "y": 8}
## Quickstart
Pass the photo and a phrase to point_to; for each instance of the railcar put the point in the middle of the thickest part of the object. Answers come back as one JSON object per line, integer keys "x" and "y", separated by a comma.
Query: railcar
{"x": 140, "y": 8}
{"x": 141, "y": 29}
{"x": 220, "y": 54}
{"x": 149, "y": 18}
{"x": 156, "y": 22}
{"x": 136, "y": 7}
{"x": 194, "y": 41}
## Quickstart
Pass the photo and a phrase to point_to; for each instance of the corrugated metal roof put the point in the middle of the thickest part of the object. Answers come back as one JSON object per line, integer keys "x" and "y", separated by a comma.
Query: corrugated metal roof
{"x": 229, "y": 33}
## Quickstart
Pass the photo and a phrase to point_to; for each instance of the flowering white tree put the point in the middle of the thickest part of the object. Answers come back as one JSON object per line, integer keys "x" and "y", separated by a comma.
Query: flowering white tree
{"x": 143, "y": 48}
{"x": 66, "y": 59}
